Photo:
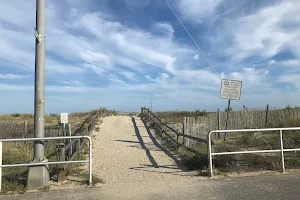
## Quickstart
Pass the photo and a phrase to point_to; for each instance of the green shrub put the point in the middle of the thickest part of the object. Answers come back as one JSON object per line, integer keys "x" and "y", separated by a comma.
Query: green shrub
{"x": 15, "y": 115}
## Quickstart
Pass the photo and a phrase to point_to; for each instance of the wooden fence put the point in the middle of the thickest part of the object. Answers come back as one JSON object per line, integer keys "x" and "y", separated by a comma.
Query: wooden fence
{"x": 179, "y": 138}
{"x": 69, "y": 149}
{"x": 25, "y": 129}
{"x": 66, "y": 150}
{"x": 243, "y": 119}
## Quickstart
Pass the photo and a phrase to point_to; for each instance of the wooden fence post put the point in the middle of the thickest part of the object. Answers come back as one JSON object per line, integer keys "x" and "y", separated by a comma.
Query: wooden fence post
{"x": 267, "y": 115}
{"x": 77, "y": 144}
{"x": 25, "y": 128}
{"x": 70, "y": 134}
{"x": 184, "y": 130}
{"x": 188, "y": 131}
{"x": 61, "y": 167}
{"x": 179, "y": 139}
{"x": 86, "y": 129}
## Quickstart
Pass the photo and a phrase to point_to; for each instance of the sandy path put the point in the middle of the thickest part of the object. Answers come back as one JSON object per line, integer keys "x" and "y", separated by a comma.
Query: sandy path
{"x": 124, "y": 151}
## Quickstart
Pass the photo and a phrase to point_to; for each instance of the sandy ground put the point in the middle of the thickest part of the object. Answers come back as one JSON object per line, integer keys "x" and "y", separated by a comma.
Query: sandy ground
{"x": 134, "y": 166}
{"x": 125, "y": 151}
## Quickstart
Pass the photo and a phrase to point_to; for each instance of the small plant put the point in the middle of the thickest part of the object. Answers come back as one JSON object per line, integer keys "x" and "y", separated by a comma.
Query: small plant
{"x": 15, "y": 115}
{"x": 9, "y": 187}
{"x": 230, "y": 109}
{"x": 201, "y": 113}
{"x": 288, "y": 108}
{"x": 95, "y": 179}
{"x": 191, "y": 160}
{"x": 46, "y": 188}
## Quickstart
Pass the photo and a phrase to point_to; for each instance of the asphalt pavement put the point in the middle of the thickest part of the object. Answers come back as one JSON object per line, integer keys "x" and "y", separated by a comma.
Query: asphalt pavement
{"x": 285, "y": 187}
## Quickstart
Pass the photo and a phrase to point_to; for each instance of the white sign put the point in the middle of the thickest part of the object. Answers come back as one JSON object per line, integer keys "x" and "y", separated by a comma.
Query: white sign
{"x": 64, "y": 118}
{"x": 231, "y": 89}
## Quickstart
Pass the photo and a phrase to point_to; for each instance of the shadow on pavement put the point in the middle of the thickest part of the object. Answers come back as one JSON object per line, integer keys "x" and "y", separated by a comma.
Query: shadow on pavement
{"x": 138, "y": 135}
{"x": 128, "y": 141}
{"x": 164, "y": 149}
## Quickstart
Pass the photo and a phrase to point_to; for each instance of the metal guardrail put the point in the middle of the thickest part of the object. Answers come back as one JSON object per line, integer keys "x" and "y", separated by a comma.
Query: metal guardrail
{"x": 47, "y": 163}
{"x": 282, "y": 150}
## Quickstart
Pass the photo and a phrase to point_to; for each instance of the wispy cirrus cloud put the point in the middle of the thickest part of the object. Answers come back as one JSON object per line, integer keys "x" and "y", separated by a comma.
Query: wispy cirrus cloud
{"x": 95, "y": 50}
{"x": 12, "y": 76}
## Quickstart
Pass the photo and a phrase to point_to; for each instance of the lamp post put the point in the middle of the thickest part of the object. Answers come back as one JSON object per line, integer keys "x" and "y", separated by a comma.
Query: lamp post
{"x": 38, "y": 176}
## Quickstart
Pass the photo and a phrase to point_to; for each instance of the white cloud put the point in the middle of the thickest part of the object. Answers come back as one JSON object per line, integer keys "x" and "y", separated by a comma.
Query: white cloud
{"x": 272, "y": 62}
{"x": 291, "y": 63}
{"x": 129, "y": 75}
{"x": 7, "y": 87}
{"x": 12, "y": 76}
{"x": 266, "y": 32}
{"x": 165, "y": 28}
{"x": 293, "y": 79}
{"x": 72, "y": 83}
{"x": 197, "y": 10}
{"x": 79, "y": 43}
{"x": 196, "y": 57}
{"x": 51, "y": 88}
{"x": 251, "y": 77}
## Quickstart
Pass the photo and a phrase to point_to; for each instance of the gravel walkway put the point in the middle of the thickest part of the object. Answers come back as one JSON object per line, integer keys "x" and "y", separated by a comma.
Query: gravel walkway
{"x": 125, "y": 151}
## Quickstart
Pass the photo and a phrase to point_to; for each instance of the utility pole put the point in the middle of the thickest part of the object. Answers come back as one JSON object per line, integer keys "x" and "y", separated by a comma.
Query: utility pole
{"x": 38, "y": 176}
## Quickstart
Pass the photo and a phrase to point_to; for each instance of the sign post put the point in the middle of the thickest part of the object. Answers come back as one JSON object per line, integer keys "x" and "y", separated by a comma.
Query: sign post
{"x": 231, "y": 90}
{"x": 228, "y": 110}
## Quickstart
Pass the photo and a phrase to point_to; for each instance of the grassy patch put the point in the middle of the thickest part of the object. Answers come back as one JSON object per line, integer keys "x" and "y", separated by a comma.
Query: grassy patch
{"x": 191, "y": 160}
{"x": 95, "y": 179}
{"x": 177, "y": 116}
{"x": 8, "y": 187}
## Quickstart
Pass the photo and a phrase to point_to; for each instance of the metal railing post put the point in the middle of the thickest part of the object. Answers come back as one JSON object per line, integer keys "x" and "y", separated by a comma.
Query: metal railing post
{"x": 282, "y": 153}
{"x": 90, "y": 161}
{"x": 60, "y": 163}
{"x": 0, "y": 167}
{"x": 209, "y": 155}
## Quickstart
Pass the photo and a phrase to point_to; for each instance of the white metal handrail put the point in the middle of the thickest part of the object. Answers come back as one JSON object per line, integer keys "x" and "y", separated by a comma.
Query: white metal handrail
{"x": 282, "y": 150}
{"x": 48, "y": 163}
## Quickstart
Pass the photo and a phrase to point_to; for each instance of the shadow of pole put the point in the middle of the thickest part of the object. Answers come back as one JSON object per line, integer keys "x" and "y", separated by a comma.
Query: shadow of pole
{"x": 138, "y": 135}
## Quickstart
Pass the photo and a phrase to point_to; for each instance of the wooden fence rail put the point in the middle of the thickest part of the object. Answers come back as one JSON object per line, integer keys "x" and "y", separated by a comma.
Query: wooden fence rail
{"x": 164, "y": 129}
{"x": 243, "y": 119}
{"x": 68, "y": 150}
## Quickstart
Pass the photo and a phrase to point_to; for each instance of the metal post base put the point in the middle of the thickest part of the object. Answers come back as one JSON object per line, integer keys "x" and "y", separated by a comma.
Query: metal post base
{"x": 38, "y": 176}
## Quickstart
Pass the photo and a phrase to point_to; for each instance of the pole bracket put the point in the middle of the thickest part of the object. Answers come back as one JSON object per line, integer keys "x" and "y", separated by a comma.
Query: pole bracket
{"x": 40, "y": 38}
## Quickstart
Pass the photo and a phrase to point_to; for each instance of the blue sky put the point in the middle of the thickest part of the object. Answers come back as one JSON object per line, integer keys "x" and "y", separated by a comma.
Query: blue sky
{"x": 121, "y": 53}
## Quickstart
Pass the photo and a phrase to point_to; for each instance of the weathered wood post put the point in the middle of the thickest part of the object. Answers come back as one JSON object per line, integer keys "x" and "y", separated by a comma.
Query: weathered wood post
{"x": 70, "y": 134}
{"x": 61, "y": 167}
{"x": 86, "y": 129}
{"x": 77, "y": 145}
{"x": 219, "y": 121}
{"x": 179, "y": 139}
{"x": 25, "y": 128}
{"x": 267, "y": 115}
{"x": 184, "y": 130}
